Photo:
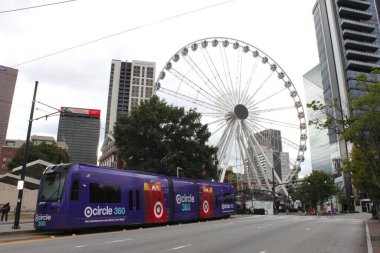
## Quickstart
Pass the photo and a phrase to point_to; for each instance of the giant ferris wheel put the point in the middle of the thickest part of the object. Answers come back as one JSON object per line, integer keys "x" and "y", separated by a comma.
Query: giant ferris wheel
{"x": 251, "y": 106}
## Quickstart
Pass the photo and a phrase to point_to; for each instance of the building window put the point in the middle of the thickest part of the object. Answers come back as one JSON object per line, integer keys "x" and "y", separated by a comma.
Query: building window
{"x": 149, "y": 72}
{"x": 136, "y": 81}
{"x": 136, "y": 71}
{"x": 134, "y": 103}
{"x": 135, "y": 91}
{"x": 149, "y": 82}
{"x": 148, "y": 92}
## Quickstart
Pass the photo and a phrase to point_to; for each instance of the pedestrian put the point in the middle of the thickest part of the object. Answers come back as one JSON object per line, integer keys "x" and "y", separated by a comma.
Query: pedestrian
{"x": 318, "y": 210}
{"x": 329, "y": 210}
{"x": 4, "y": 211}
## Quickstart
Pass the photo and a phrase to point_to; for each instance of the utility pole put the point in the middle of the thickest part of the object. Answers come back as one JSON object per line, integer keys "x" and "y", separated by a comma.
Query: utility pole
{"x": 274, "y": 193}
{"x": 20, "y": 185}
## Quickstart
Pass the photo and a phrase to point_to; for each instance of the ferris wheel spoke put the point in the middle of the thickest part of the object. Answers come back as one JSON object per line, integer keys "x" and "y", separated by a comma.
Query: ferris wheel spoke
{"x": 221, "y": 89}
{"x": 254, "y": 104}
{"x": 197, "y": 88}
{"x": 259, "y": 128}
{"x": 251, "y": 98}
{"x": 249, "y": 81}
{"x": 248, "y": 135}
{"x": 277, "y": 122}
{"x": 238, "y": 75}
{"x": 285, "y": 108}
{"x": 205, "y": 79}
{"x": 190, "y": 99}
{"x": 276, "y": 177}
{"x": 227, "y": 72}
{"x": 244, "y": 155}
{"x": 291, "y": 143}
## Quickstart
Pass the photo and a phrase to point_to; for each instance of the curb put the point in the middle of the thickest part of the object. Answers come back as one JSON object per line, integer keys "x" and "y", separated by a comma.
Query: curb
{"x": 369, "y": 243}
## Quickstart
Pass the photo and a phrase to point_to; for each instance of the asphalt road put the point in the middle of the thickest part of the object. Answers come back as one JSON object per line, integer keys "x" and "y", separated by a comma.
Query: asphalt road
{"x": 261, "y": 234}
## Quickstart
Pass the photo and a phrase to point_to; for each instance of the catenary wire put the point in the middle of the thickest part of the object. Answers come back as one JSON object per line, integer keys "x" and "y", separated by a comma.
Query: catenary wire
{"x": 125, "y": 31}
{"x": 37, "y": 6}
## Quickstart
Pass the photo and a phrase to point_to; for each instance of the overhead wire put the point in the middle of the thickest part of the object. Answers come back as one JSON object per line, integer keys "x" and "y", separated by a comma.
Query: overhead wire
{"x": 37, "y": 6}
{"x": 125, "y": 31}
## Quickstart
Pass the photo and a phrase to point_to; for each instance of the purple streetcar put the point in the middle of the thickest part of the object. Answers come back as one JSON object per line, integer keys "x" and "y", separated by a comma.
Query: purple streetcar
{"x": 76, "y": 196}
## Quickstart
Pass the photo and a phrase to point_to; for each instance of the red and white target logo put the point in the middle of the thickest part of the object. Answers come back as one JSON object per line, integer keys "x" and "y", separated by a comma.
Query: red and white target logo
{"x": 158, "y": 210}
{"x": 206, "y": 206}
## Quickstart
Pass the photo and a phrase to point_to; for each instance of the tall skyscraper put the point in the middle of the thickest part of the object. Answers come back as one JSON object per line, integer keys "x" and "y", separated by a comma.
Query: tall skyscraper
{"x": 271, "y": 144}
{"x": 130, "y": 84}
{"x": 348, "y": 43}
{"x": 318, "y": 138}
{"x": 79, "y": 128}
{"x": 8, "y": 77}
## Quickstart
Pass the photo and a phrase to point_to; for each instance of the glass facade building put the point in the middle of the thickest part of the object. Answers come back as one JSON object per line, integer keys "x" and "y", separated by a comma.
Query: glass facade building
{"x": 348, "y": 41}
{"x": 318, "y": 138}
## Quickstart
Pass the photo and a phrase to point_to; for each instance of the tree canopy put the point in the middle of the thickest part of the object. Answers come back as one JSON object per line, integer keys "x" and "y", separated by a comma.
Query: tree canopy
{"x": 316, "y": 188}
{"x": 157, "y": 137}
{"x": 47, "y": 152}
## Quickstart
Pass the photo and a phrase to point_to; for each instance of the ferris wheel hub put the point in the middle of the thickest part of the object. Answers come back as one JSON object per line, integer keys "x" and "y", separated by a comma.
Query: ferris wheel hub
{"x": 241, "y": 111}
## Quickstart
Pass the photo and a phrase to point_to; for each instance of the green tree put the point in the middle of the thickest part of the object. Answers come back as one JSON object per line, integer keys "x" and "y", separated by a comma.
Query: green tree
{"x": 157, "y": 137}
{"x": 43, "y": 151}
{"x": 316, "y": 188}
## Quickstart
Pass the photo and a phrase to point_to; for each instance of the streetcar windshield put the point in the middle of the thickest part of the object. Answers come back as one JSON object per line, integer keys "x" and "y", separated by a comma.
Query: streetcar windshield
{"x": 52, "y": 186}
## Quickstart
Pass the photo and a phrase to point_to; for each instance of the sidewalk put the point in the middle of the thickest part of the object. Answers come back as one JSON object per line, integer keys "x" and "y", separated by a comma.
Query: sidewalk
{"x": 374, "y": 231}
{"x": 25, "y": 224}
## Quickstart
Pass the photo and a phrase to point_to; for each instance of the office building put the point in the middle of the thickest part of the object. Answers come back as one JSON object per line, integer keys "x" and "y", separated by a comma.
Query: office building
{"x": 8, "y": 77}
{"x": 79, "y": 128}
{"x": 271, "y": 146}
{"x": 318, "y": 138}
{"x": 270, "y": 138}
{"x": 348, "y": 41}
{"x": 130, "y": 84}
{"x": 7, "y": 152}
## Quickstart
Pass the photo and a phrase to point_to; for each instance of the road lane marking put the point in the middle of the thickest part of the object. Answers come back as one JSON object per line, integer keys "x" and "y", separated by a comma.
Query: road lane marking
{"x": 179, "y": 247}
{"x": 123, "y": 240}
{"x": 100, "y": 243}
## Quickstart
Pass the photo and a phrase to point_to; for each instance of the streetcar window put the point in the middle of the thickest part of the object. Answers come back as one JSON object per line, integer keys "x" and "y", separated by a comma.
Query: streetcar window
{"x": 52, "y": 186}
{"x": 103, "y": 193}
{"x": 75, "y": 190}
{"x": 216, "y": 201}
{"x": 130, "y": 200}
{"x": 227, "y": 198}
{"x": 137, "y": 200}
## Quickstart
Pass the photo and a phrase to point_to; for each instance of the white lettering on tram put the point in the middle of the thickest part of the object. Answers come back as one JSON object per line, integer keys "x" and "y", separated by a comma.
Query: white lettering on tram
{"x": 89, "y": 211}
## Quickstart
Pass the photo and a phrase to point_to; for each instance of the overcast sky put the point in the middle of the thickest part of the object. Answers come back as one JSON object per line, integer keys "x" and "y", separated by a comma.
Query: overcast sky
{"x": 79, "y": 77}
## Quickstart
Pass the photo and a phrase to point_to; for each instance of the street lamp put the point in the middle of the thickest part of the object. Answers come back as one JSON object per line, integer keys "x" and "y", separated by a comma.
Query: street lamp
{"x": 274, "y": 193}
{"x": 178, "y": 169}
{"x": 20, "y": 185}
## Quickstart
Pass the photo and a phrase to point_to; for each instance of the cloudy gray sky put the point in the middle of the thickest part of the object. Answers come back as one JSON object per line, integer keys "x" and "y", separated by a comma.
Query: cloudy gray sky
{"x": 79, "y": 77}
